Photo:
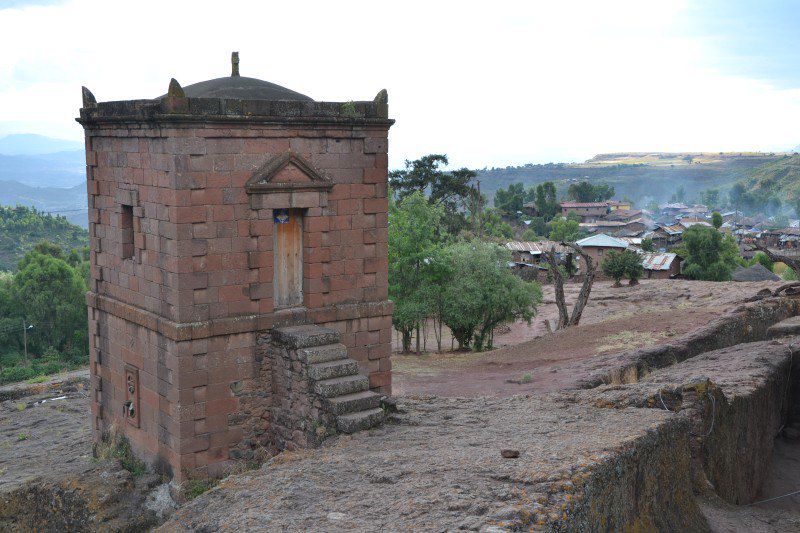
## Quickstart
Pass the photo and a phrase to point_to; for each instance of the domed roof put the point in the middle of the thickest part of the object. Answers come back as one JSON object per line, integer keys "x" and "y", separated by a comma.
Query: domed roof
{"x": 240, "y": 87}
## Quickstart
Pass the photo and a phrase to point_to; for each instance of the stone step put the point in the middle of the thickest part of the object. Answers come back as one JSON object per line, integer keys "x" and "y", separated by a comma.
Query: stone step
{"x": 306, "y": 335}
{"x": 322, "y": 354}
{"x": 329, "y": 388}
{"x": 333, "y": 369}
{"x": 790, "y": 326}
{"x": 351, "y": 403}
{"x": 360, "y": 420}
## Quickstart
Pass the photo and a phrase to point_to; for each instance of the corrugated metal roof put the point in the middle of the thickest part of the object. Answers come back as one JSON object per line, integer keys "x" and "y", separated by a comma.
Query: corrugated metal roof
{"x": 601, "y": 240}
{"x": 583, "y": 204}
{"x": 536, "y": 247}
{"x": 657, "y": 260}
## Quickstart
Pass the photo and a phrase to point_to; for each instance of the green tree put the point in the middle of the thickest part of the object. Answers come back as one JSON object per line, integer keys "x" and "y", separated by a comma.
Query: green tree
{"x": 564, "y": 230}
{"x": 530, "y": 235}
{"x": 647, "y": 245}
{"x": 586, "y": 192}
{"x": 50, "y": 294}
{"x": 414, "y": 230}
{"x": 618, "y": 264}
{"x": 708, "y": 256}
{"x": 546, "y": 201}
{"x": 613, "y": 267}
{"x": 634, "y": 269}
{"x": 716, "y": 220}
{"x": 450, "y": 189}
{"x": 483, "y": 293}
{"x": 764, "y": 260}
{"x": 510, "y": 201}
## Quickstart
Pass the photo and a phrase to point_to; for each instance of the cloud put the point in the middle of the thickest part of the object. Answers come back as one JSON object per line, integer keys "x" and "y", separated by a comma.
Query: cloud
{"x": 487, "y": 83}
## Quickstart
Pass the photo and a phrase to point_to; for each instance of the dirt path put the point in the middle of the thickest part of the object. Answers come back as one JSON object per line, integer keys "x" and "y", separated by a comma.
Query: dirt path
{"x": 531, "y": 361}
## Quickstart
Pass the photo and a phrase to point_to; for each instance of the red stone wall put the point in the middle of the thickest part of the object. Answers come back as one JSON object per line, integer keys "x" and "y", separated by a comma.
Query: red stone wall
{"x": 186, "y": 308}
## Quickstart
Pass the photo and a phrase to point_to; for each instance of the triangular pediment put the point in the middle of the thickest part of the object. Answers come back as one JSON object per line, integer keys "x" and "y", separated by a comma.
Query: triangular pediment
{"x": 287, "y": 172}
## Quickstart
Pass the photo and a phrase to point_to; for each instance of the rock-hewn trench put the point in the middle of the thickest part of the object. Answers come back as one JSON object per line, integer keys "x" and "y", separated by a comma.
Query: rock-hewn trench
{"x": 678, "y": 438}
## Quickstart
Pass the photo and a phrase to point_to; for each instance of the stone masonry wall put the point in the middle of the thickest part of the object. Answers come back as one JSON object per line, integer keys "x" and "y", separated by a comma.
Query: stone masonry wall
{"x": 184, "y": 307}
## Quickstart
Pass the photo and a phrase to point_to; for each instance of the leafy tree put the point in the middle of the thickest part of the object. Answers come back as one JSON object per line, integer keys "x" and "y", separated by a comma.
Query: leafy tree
{"x": 494, "y": 226}
{"x": 539, "y": 226}
{"x": 716, "y": 220}
{"x": 613, "y": 267}
{"x": 49, "y": 293}
{"x": 736, "y": 194}
{"x": 483, "y": 293}
{"x": 452, "y": 190}
{"x": 509, "y": 202}
{"x": 710, "y": 197}
{"x": 647, "y": 245}
{"x": 618, "y": 264}
{"x": 546, "y": 201}
{"x": 413, "y": 231}
{"x": 708, "y": 255}
{"x": 764, "y": 260}
{"x": 530, "y": 235}
{"x": 564, "y": 230}
{"x": 586, "y": 192}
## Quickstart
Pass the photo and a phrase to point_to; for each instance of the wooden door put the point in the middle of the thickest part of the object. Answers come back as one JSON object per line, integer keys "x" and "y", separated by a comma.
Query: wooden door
{"x": 288, "y": 262}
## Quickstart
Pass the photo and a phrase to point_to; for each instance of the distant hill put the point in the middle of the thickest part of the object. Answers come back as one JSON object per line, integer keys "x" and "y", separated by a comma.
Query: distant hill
{"x": 21, "y": 228}
{"x": 780, "y": 178}
{"x": 69, "y": 202}
{"x": 32, "y": 144}
{"x": 60, "y": 169}
{"x": 642, "y": 177}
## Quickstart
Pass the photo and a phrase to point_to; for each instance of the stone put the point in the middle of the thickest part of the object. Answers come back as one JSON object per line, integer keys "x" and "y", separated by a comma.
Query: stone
{"x": 509, "y": 454}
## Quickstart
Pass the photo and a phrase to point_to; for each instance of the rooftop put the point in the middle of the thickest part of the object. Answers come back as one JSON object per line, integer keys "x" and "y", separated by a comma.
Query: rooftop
{"x": 601, "y": 240}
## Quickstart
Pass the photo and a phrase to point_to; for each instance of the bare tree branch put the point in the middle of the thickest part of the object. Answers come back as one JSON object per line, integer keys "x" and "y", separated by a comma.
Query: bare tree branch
{"x": 793, "y": 263}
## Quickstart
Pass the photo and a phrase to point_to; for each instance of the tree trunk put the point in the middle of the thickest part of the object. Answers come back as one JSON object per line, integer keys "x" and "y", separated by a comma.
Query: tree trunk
{"x": 418, "y": 352}
{"x": 586, "y": 288}
{"x": 558, "y": 286}
{"x": 633, "y": 281}
{"x": 406, "y": 340}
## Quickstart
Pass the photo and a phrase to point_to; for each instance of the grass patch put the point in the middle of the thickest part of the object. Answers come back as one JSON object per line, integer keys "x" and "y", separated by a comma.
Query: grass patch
{"x": 37, "y": 379}
{"x": 628, "y": 340}
{"x": 22, "y": 436}
{"x": 116, "y": 446}
{"x": 526, "y": 378}
{"x": 194, "y": 487}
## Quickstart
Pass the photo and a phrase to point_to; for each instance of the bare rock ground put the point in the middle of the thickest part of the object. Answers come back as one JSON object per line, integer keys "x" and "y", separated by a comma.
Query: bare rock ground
{"x": 437, "y": 467}
{"x": 49, "y": 479}
{"x": 531, "y": 361}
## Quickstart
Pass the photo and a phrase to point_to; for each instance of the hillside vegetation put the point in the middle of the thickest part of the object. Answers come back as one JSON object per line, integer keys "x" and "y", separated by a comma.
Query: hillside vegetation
{"x": 642, "y": 177}
{"x": 22, "y": 228}
{"x": 779, "y": 178}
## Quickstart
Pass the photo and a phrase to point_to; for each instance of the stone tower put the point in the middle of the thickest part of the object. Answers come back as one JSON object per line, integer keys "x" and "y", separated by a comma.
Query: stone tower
{"x": 238, "y": 296}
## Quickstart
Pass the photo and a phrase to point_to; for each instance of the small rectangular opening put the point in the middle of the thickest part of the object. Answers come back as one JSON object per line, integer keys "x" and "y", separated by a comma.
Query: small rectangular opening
{"x": 126, "y": 231}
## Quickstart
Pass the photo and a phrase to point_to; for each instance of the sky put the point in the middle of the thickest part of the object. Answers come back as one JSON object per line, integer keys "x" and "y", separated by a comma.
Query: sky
{"x": 490, "y": 84}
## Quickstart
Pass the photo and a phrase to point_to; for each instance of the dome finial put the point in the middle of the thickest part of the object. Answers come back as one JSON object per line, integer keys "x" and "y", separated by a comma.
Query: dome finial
{"x": 235, "y": 64}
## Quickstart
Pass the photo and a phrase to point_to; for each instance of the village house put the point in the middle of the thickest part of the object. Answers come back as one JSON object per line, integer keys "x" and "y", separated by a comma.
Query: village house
{"x": 661, "y": 265}
{"x": 597, "y": 247}
{"x": 619, "y": 205}
{"x": 587, "y": 211}
{"x": 528, "y": 257}
{"x": 666, "y": 236}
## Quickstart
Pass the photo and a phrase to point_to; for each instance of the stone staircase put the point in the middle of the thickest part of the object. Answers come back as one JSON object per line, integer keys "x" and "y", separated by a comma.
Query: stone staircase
{"x": 333, "y": 376}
